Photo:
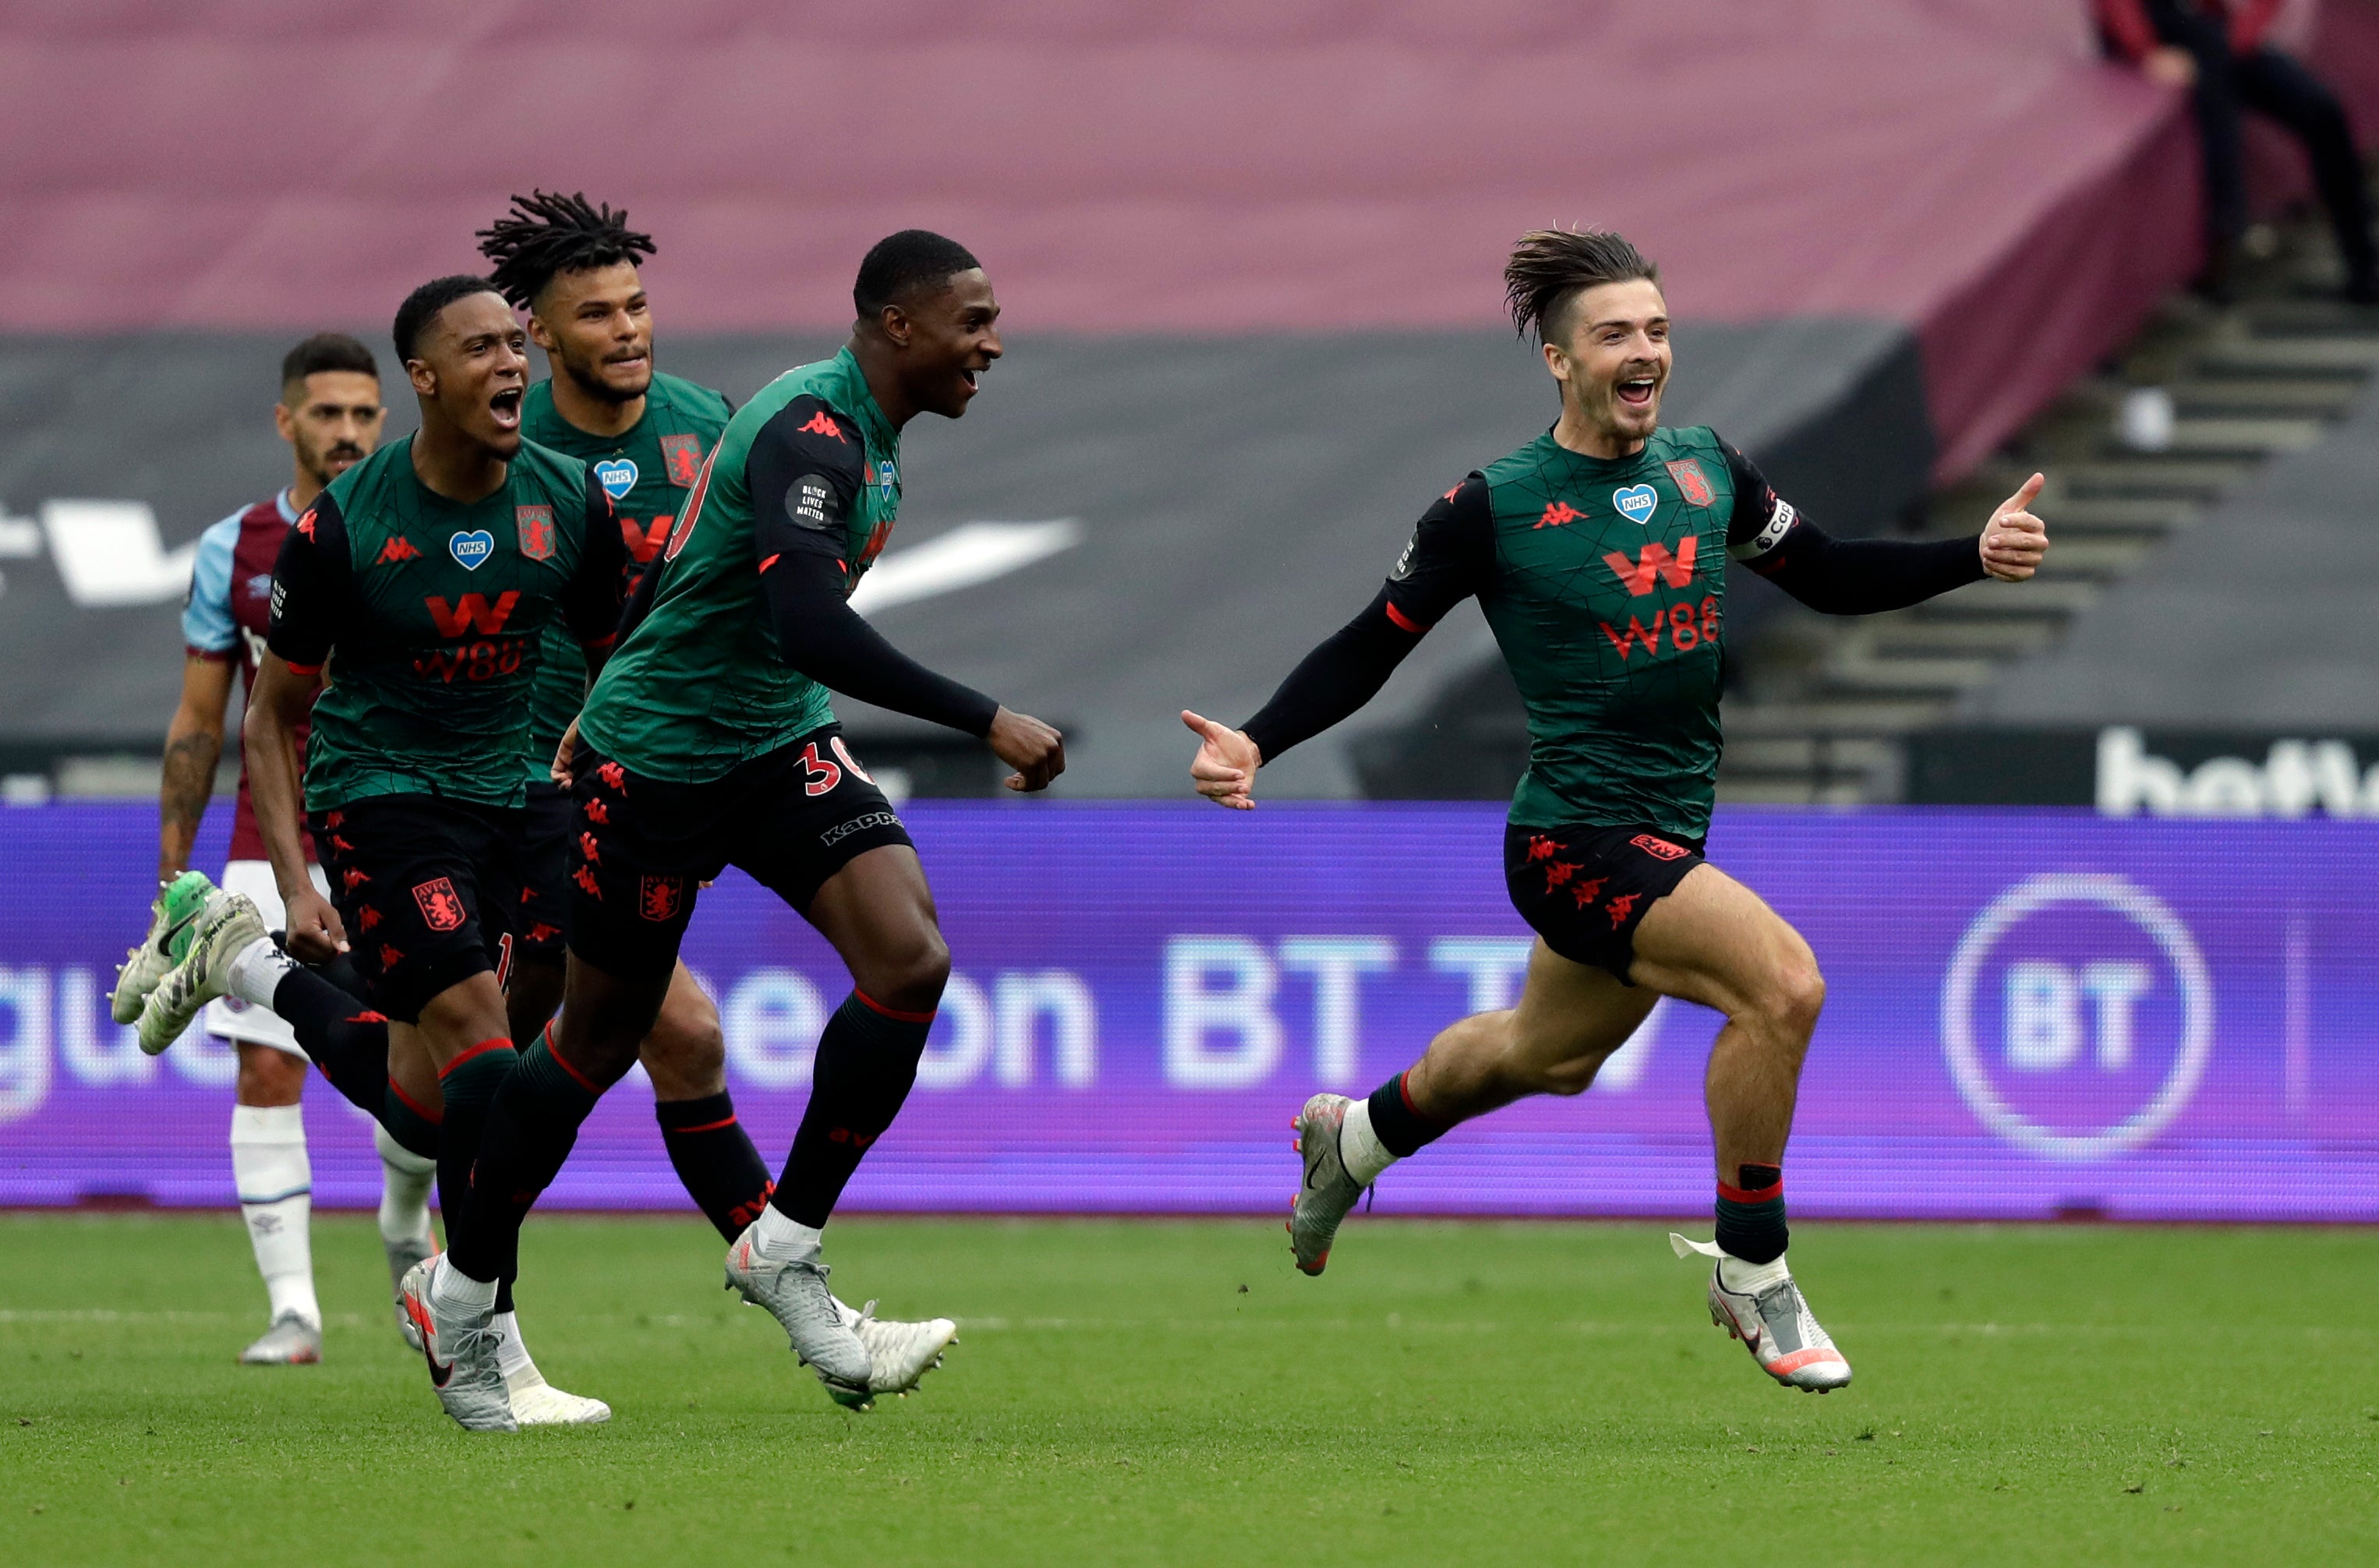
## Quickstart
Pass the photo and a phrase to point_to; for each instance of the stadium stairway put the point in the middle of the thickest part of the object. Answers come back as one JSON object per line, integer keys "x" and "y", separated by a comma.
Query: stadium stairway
{"x": 1820, "y": 713}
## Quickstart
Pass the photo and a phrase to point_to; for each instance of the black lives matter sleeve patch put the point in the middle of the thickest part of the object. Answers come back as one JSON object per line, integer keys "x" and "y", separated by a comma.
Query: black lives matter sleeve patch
{"x": 810, "y": 502}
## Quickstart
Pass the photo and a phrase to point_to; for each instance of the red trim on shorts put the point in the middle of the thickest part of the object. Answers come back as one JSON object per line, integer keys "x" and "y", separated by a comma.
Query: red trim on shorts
{"x": 493, "y": 1042}
{"x": 1406, "y": 621}
{"x": 305, "y": 669}
{"x": 545, "y": 1038}
{"x": 1750, "y": 1194}
{"x": 707, "y": 1127}
{"x": 434, "y": 1118}
{"x": 892, "y": 1012}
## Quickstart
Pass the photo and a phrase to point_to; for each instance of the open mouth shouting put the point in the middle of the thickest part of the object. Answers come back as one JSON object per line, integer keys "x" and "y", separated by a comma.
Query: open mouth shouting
{"x": 1636, "y": 391}
{"x": 504, "y": 409}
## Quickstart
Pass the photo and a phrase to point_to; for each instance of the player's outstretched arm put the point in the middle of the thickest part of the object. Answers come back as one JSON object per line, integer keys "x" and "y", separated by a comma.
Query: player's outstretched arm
{"x": 1450, "y": 558}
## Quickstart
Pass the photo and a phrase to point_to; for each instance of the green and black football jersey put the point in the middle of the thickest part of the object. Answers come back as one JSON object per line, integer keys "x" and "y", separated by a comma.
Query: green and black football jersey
{"x": 424, "y": 616}
{"x": 700, "y": 683}
{"x": 1604, "y": 581}
{"x": 648, "y": 471}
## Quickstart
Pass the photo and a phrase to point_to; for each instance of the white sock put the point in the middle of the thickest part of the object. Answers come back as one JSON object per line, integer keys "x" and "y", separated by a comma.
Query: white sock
{"x": 276, "y": 1184}
{"x": 1359, "y": 1149}
{"x": 404, "y": 1182}
{"x": 782, "y": 1240}
{"x": 257, "y": 972}
{"x": 1750, "y": 1279}
{"x": 456, "y": 1291}
{"x": 511, "y": 1356}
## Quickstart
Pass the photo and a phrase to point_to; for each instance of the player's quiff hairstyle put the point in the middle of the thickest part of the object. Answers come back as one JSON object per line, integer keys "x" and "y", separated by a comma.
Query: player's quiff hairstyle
{"x": 1549, "y": 268}
{"x": 898, "y": 264}
{"x": 324, "y": 351}
{"x": 547, "y": 233}
{"x": 421, "y": 307}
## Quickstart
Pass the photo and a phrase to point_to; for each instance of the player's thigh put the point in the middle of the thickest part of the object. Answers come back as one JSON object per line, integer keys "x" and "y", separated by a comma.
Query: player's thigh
{"x": 684, "y": 1052}
{"x": 268, "y": 1076}
{"x": 428, "y": 889}
{"x": 1715, "y": 942}
{"x": 879, "y": 912}
{"x": 533, "y": 993}
{"x": 413, "y": 1073}
{"x": 466, "y": 1014}
{"x": 1570, "y": 1017}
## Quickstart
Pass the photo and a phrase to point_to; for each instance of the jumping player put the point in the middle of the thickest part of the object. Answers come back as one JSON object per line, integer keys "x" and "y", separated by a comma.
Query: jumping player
{"x": 415, "y": 593}
{"x": 709, "y": 741}
{"x": 1599, "y": 552}
{"x": 330, "y": 413}
{"x": 575, "y": 269}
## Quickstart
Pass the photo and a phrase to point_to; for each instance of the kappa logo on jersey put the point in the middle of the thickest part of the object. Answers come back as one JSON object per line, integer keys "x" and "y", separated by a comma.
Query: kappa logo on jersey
{"x": 306, "y": 524}
{"x": 682, "y": 456}
{"x": 659, "y": 898}
{"x": 471, "y": 550}
{"x": 396, "y": 549}
{"x": 1636, "y": 503}
{"x": 1659, "y": 849}
{"x": 617, "y": 475}
{"x": 534, "y": 525}
{"x": 474, "y": 615}
{"x": 1691, "y": 482}
{"x": 442, "y": 907}
{"x": 1557, "y": 513}
{"x": 1655, "y": 564}
{"x": 820, "y": 425}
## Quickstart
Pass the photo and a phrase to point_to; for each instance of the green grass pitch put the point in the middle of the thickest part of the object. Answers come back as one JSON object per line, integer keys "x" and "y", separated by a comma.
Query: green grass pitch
{"x": 1157, "y": 1391}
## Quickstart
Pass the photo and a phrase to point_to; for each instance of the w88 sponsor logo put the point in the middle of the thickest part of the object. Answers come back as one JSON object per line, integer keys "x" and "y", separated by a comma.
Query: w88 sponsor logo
{"x": 482, "y": 660}
{"x": 1684, "y": 626}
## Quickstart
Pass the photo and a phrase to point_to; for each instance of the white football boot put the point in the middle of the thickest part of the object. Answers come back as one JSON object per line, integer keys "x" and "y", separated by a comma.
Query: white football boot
{"x": 899, "y": 1354}
{"x": 536, "y": 1403}
{"x": 177, "y": 909}
{"x": 462, "y": 1352}
{"x": 402, "y": 1255}
{"x": 1773, "y": 1322}
{"x": 796, "y": 1295}
{"x": 1328, "y": 1191}
{"x": 226, "y": 924}
{"x": 290, "y": 1342}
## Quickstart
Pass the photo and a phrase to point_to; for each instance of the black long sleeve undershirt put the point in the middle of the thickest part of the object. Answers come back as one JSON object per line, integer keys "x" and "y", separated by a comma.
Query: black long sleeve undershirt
{"x": 1868, "y": 577}
{"x": 824, "y": 638}
{"x": 1334, "y": 680}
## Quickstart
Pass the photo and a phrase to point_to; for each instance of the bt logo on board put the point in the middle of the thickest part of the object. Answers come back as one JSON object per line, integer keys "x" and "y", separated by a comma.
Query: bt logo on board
{"x": 2077, "y": 1015}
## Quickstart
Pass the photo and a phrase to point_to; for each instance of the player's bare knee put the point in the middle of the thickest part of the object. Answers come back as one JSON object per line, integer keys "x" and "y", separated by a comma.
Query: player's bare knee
{"x": 687, "y": 1052}
{"x": 912, "y": 974}
{"x": 268, "y": 1076}
{"x": 1791, "y": 995}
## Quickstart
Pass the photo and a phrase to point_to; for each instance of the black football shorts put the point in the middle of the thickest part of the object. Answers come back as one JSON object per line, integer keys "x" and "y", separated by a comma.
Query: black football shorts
{"x": 789, "y": 820}
{"x": 428, "y": 889}
{"x": 1585, "y": 889}
{"x": 548, "y": 820}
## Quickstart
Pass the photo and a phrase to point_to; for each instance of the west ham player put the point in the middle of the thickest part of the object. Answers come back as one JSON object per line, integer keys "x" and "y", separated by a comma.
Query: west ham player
{"x": 415, "y": 594}
{"x": 709, "y": 741}
{"x": 1599, "y": 552}
{"x": 575, "y": 269}
{"x": 331, "y": 414}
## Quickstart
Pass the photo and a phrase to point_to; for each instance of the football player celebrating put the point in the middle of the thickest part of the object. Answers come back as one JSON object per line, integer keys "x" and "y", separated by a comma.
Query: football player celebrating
{"x": 1599, "y": 551}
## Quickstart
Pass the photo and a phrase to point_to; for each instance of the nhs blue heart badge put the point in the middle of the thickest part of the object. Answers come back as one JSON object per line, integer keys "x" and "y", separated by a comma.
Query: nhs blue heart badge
{"x": 472, "y": 548}
{"x": 617, "y": 475}
{"x": 1636, "y": 503}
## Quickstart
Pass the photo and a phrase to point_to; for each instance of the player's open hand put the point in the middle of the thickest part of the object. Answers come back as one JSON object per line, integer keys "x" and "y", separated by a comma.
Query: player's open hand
{"x": 559, "y": 770}
{"x": 315, "y": 934}
{"x": 1024, "y": 743}
{"x": 1225, "y": 768}
{"x": 2014, "y": 540}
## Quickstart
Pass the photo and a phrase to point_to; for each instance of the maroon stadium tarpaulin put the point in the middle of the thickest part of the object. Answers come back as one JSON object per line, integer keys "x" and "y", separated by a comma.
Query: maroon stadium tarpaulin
{"x": 1968, "y": 168}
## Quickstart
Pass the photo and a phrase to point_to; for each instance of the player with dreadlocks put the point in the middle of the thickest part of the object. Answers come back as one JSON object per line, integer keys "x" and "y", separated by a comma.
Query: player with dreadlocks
{"x": 574, "y": 267}
{"x": 1598, "y": 552}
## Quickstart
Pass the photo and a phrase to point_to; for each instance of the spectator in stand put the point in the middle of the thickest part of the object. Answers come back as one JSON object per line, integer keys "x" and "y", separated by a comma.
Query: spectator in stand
{"x": 2215, "y": 49}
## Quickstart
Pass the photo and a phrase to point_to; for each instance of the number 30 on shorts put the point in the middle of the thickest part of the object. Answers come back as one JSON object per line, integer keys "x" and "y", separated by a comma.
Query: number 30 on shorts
{"x": 824, "y": 775}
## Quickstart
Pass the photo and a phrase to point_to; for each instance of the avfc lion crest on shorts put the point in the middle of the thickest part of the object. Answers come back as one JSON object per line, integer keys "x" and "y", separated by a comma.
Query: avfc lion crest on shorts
{"x": 682, "y": 456}
{"x": 535, "y": 526}
{"x": 442, "y": 907}
{"x": 1692, "y": 483}
{"x": 659, "y": 898}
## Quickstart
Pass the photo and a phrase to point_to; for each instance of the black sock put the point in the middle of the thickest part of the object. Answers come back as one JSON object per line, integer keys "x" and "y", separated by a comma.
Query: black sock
{"x": 412, "y": 1126}
{"x": 468, "y": 1084}
{"x": 866, "y": 1060}
{"x": 714, "y": 1157}
{"x": 343, "y": 1037}
{"x": 1401, "y": 1130}
{"x": 530, "y": 1130}
{"x": 1751, "y": 1215}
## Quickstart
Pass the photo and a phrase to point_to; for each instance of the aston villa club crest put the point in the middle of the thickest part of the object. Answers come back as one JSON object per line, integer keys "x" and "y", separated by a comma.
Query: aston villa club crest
{"x": 682, "y": 456}
{"x": 442, "y": 907}
{"x": 661, "y": 897}
{"x": 1691, "y": 483}
{"x": 535, "y": 525}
